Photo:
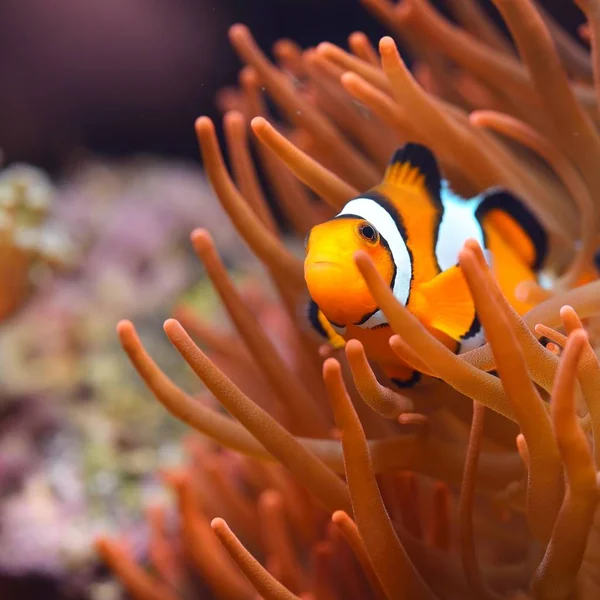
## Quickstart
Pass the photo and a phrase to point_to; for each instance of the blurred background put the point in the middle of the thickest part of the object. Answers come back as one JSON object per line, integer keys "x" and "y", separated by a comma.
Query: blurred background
{"x": 118, "y": 78}
{"x": 99, "y": 99}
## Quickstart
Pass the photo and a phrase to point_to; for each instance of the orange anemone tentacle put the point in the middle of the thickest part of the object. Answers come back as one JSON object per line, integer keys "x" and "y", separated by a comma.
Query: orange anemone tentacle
{"x": 394, "y": 568}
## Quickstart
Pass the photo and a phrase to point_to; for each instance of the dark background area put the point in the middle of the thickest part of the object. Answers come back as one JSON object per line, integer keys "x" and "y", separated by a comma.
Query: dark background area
{"x": 118, "y": 78}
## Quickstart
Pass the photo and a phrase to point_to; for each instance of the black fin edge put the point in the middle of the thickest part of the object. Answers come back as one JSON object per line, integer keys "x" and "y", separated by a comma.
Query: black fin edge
{"x": 313, "y": 317}
{"x": 407, "y": 383}
{"x": 423, "y": 159}
{"x": 505, "y": 200}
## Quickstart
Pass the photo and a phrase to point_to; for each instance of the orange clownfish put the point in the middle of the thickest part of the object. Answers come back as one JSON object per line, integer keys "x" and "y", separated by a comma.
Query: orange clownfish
{"x": 413, "y": 227}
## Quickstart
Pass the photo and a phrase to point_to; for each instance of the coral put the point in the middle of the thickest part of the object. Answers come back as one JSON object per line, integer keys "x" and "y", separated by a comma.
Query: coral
{"x": 480, "y": 482}
{"x": 29, "y": 241}
{"x": 78, "y": 440}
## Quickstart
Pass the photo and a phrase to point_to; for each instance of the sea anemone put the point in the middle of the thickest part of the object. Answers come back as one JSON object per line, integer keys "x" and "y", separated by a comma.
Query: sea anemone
{"x": 481, "y": 482}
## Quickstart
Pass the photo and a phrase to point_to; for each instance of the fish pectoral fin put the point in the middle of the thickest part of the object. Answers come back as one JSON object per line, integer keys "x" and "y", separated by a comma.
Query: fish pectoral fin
{"x": 336, "y": 340}
{"x": 445, "y": 303}
{"x": 516, "y": 223}
{"x": 323, "y": 327}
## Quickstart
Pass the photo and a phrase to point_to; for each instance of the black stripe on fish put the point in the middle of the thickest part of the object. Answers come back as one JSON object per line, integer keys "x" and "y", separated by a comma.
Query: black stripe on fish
{"x": 384, "y": 243}
{"x": 473, "y": 330}
{"x": 398, "y": 221}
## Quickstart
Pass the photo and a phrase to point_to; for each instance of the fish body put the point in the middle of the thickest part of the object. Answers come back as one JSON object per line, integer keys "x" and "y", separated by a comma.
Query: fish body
{"x": 413, "y": 226}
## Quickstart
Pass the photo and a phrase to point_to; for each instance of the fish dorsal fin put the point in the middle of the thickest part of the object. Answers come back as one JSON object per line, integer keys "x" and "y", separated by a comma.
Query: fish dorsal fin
{"x": 514, "y": 221}
{"x": 445, "y": 303}
{"x": 414, "y": 165}
{"x": 323, "y": 327}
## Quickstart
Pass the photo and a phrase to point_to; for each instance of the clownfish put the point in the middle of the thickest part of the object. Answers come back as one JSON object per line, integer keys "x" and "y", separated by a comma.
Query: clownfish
{"x": 413, "y": 227}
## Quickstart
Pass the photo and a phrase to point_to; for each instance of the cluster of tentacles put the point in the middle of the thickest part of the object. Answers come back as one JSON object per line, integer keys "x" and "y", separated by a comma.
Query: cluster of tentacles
{"x": 481, "y": 481}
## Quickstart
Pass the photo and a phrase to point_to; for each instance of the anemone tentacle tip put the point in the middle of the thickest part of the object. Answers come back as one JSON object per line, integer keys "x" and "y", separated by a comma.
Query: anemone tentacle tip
{"x": 259, "y": 123}
{"x": 387, "y": 45}
{"x": 171, "y": 325}
{"x": 353, "y": 346}
{"x": 201, "y": 238}
{"x": 238, "y": 30}
{"x": 218, "y": 524}
{"x": 330, "y": 365}
{"x": 124, "y": 326}
{"x": 204, "y": 124}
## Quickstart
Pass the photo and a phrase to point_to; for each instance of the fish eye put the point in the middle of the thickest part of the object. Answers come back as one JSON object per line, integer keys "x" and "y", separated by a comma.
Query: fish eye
{"x": 369, "y": 233}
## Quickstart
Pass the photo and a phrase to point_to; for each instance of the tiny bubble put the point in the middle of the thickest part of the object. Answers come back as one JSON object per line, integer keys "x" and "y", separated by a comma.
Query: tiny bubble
{"x": 263, "y": 88}
{"x": 298, "y": 112}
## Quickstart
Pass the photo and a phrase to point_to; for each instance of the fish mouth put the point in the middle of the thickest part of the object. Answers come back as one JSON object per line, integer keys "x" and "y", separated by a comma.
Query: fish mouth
{"x": 333, "y": 286}
{"x": 323, "y": 263}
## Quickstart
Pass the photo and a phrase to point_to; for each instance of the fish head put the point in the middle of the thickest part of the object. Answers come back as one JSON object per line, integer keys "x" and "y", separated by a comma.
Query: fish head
{"x": 332, "y": 277}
